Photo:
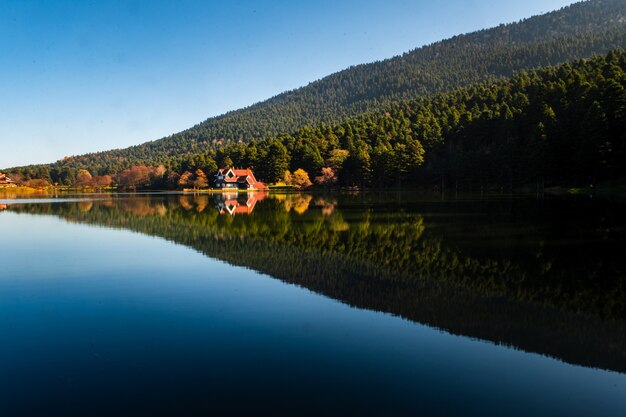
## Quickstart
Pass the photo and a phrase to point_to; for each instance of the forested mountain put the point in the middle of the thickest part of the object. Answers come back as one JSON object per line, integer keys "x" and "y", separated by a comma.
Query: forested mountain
{"x": 558, "y": 125}
{"x": 486, "y": 56}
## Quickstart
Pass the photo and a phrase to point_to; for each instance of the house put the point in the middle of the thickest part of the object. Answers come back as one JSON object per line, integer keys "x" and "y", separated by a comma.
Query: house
{"x": 241, "y": 179}
{"x": 6, "y": 181}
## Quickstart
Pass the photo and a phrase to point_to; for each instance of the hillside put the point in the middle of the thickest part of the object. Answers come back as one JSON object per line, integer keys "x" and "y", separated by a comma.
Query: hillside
{"x": 574, "y": 32}
{"x": 559, "y": 125}
{"x": 556, "y": 125}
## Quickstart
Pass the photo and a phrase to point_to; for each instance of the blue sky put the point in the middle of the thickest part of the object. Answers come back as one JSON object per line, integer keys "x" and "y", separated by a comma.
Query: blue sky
{"x": 82, "y": 76}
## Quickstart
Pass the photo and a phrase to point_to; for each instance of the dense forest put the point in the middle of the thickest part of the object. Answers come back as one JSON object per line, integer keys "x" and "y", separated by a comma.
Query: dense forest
{"x": 557, "y": 125}
{"x": 416, "y": 259}
{"x": 377, "y": 124}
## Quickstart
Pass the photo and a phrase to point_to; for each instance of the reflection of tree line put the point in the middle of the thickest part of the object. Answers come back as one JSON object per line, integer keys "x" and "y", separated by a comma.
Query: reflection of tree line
{"x": 391, "y": 240}
{"x": 389, "y": 261}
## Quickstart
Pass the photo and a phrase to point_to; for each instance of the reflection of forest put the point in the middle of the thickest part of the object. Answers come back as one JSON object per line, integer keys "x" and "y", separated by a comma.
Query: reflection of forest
{"x": 421, "y": 260}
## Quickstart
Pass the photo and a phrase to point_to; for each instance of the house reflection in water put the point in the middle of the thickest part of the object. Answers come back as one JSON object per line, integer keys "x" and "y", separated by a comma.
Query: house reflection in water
{"x": 236, "y": 203}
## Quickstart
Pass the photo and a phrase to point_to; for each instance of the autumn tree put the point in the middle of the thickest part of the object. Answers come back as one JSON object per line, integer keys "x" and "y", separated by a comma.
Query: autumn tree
{"x": 135, "y": 177}
{"x": 186, "y": 180}
{"x": 84, "y": 178}
{"x": 300, "y": 179}
{"x": 287, "y": 177}
{"x": 201, "y": 180}
{"x": 102, "y": 181}
{"x": 328, "y": 177}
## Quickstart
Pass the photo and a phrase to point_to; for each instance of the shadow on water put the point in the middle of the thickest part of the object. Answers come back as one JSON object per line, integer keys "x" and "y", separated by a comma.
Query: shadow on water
{"x": 542, "y": 275}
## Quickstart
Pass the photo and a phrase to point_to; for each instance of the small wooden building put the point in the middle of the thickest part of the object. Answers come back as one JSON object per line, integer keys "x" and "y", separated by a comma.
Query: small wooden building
{"x": 6, "y": 181}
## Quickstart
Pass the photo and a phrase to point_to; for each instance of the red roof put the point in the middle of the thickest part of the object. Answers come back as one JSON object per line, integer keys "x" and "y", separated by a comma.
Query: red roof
{"x": 240, "y": 175}
{"x": 5, "y": 180}
{"x": 242, "y": 172}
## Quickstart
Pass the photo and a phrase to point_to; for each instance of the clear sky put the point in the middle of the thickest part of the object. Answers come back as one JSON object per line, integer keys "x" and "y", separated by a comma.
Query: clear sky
{"x": 81, "y": 76}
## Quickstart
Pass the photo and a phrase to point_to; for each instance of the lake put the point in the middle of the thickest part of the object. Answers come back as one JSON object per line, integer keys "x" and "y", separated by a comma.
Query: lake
{"x": 313, "y": 304}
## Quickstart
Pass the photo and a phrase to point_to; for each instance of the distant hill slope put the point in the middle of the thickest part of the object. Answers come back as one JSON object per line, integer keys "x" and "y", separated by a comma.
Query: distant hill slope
{"x": 576, "y": 31}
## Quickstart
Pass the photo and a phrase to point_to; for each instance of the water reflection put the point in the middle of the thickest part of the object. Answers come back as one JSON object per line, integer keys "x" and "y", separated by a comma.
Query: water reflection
{"x": 232, "y": 204}
{"x": 544, "y": 276}
{"x": 243, "y": 203}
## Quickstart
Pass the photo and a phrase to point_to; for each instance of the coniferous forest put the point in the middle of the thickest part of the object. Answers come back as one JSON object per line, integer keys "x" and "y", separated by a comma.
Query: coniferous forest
{"x": 463, "y": 112}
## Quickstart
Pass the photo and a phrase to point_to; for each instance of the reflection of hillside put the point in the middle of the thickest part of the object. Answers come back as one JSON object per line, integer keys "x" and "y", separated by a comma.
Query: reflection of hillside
{"x": 390, "y": 260}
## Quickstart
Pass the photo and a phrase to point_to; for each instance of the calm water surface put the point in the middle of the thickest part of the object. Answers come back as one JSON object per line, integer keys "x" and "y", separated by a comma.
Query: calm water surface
{"x": 312, "y": 305}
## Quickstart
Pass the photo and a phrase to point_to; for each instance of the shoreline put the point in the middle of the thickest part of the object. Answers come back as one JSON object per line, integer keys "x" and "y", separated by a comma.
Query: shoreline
{"x": 615, "y": 188}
